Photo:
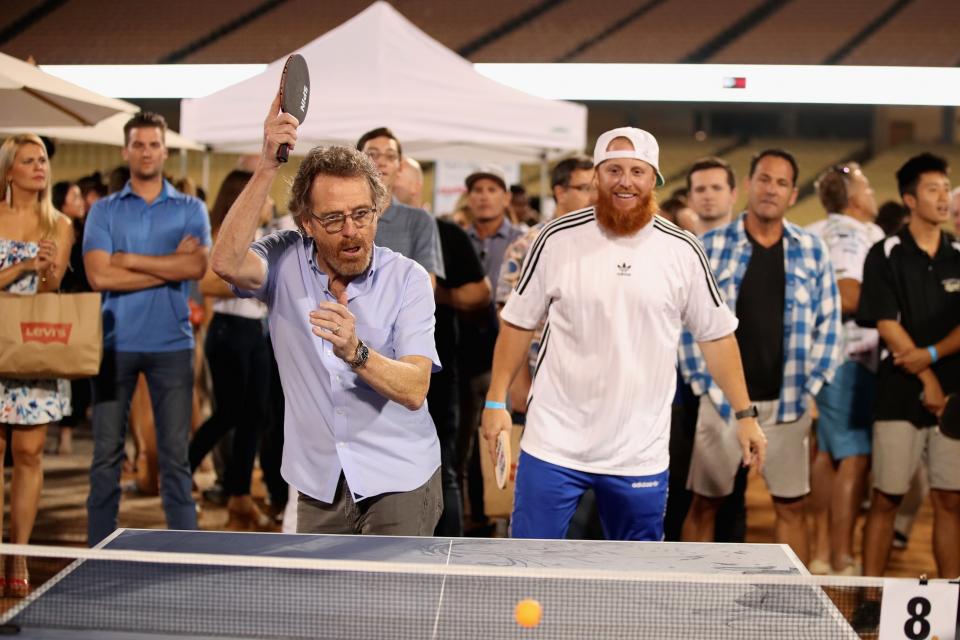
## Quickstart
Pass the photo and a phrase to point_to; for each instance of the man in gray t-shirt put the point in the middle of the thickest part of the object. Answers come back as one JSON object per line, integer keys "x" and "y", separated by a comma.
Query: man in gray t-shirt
{"x": 407, "y": 230}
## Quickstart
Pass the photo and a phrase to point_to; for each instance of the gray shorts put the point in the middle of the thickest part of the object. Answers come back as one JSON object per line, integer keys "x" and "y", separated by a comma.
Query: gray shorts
{"x": 717, "y": 455}
{"x": 408, "y": 513}
{"x": 898, "y": 448}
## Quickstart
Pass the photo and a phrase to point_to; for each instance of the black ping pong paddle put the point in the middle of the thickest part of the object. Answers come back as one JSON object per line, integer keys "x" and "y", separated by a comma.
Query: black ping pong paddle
{"x": 294, "y": 94}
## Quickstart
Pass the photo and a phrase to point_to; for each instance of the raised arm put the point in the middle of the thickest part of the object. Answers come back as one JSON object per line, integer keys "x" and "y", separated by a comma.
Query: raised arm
{"x": 232, "y": 258}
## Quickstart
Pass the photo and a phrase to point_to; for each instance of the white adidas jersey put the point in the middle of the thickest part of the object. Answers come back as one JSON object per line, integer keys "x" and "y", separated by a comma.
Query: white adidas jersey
{"x": 606, "y": 375}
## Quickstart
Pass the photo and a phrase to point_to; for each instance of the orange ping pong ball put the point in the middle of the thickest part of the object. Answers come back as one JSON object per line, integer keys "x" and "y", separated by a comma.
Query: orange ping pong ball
{"x": 528, "y": 613}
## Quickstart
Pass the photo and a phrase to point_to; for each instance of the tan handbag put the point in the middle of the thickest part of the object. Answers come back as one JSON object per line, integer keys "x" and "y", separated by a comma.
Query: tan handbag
{"x": 50, "y": 335}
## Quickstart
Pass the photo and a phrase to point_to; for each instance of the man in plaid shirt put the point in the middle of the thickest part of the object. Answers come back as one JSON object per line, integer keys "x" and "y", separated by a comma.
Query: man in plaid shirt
{"x": 779, "y": 281}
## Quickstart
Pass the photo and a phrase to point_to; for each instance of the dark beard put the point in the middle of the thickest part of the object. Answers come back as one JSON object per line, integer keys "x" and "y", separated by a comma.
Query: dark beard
{"x": 624, "y": 223}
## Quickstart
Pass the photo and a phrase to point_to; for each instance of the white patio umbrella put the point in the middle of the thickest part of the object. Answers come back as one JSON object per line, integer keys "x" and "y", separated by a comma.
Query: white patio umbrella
{"x": 109, "y": 131}
{"x": 33, "y": 99}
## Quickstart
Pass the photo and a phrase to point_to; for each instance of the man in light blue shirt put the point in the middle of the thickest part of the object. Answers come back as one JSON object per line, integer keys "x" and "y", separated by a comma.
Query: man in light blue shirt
{"x": 141, "y": 246}
{"x": 352, "y": 327}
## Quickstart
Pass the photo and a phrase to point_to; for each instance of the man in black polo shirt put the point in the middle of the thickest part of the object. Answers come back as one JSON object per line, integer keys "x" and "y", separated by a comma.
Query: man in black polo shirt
{"x": 911, "y": 293}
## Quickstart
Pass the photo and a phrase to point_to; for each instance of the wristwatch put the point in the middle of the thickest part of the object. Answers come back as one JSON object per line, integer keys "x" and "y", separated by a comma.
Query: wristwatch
{"x": 360, "y": 357}
{"x": 750, "y": 412}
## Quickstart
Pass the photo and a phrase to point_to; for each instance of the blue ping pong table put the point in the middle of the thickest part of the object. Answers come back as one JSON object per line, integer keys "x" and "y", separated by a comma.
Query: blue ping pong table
{"x": 114, "y": 599}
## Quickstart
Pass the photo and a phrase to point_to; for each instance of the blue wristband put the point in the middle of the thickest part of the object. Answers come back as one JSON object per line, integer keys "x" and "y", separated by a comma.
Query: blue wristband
{"x": 934, "y": 356}
{"x": 490, "y": 404}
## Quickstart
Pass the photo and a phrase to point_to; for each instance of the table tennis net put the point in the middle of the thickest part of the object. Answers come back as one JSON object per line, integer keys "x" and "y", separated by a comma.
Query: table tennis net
{"x": 123, "y": 593}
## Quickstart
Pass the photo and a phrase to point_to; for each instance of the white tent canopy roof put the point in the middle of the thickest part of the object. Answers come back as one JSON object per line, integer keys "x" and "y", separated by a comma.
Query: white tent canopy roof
{"x": 378, "y": 69}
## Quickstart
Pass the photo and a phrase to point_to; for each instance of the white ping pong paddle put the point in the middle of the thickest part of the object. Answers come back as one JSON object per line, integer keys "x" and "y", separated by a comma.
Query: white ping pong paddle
{"x": 504, "y": 459}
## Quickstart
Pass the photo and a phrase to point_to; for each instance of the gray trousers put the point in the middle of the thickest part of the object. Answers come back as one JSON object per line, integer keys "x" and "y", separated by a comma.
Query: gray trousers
{"x": 408, "y": 513}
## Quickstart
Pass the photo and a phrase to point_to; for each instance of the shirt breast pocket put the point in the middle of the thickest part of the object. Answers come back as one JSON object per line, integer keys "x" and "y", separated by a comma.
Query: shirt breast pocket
{"x": 802, "y": 292}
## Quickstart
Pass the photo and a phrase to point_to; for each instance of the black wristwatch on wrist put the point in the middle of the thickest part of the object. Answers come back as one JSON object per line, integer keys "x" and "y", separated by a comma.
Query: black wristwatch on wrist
{"x": 750, "y": 412}
{"x": 360, "y": 357}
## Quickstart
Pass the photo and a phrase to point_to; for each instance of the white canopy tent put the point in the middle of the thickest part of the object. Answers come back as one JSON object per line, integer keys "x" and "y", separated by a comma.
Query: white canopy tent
{"x": 379, "y": 69}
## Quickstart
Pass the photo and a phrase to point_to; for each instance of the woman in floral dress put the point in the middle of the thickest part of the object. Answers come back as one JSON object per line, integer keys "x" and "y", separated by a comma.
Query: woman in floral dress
{"x": 35, "y": 242}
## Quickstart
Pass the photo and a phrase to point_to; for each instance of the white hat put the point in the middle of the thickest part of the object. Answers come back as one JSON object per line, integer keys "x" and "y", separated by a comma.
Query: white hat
{"x": 490, "y": 171}
{"x": 645, "y": 148}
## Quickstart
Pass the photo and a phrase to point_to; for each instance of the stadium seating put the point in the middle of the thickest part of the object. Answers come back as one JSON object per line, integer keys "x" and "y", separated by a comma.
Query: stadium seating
{"x": 668, "y": 32}
{"x": 300, "y": 21}
{"x": 556, "y": 32}
{"x": 923, "y": 34}
{"x": 120, "y": 32}
{"x": 801, "y": 33}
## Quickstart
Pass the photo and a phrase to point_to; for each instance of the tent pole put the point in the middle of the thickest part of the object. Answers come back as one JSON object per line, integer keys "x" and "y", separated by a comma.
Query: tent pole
{"x": 205, "y": 172}
{"x": 183, "y": 163}
{"x": 544, "y": 182}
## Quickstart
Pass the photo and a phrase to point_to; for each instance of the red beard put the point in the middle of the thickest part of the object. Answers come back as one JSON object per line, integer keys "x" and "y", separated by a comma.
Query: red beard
{"x": 620, "y": 222}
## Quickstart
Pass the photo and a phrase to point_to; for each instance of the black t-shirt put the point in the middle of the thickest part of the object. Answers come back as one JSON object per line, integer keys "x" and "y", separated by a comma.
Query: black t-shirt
{"x": 75, "y": 277}
{"x": 462, "y": 266}
{"x": 760, "y": 311}
{"x": 902, "y": 282}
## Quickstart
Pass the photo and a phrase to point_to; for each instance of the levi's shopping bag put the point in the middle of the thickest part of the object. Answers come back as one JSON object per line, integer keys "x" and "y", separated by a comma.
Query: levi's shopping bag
{"x": 50, "y": 335}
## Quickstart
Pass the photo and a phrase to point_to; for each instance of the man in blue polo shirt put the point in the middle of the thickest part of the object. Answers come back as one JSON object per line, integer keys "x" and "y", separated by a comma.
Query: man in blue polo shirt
{"x": 352, "y": 328}
{"x": 141, "y": 246}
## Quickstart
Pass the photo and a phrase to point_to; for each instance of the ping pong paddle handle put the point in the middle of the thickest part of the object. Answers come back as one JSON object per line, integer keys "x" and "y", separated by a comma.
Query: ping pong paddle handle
{"x": 283, "y": 153}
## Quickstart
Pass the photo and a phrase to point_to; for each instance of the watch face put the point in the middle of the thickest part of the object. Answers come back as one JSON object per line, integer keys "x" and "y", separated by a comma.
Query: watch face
{"x": 362, "y": 353}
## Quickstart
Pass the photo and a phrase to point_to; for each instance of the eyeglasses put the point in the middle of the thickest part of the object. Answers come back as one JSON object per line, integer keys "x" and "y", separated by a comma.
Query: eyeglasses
{"x": 334, "y": 222}
{"x": 389, "y": 156}
{"x": 582, "y": 188}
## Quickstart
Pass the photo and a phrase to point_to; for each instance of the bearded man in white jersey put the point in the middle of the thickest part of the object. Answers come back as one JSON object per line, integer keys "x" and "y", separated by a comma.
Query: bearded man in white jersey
{"x": 617, "y": 284}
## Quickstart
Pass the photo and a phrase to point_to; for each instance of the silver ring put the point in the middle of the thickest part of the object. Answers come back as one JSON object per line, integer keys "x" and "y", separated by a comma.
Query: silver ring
{"x": 336, "y": 330}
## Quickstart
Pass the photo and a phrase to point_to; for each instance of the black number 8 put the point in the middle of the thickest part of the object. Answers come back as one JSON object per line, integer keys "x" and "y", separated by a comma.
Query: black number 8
{"x": 917, "y": 616}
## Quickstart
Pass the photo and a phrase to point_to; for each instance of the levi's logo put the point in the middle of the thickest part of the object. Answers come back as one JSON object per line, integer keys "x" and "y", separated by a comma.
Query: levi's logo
{"x": 45, "y": 332}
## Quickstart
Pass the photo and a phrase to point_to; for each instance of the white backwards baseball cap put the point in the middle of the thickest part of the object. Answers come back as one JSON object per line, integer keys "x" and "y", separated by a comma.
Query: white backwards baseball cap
{"x": 645, "y": 148}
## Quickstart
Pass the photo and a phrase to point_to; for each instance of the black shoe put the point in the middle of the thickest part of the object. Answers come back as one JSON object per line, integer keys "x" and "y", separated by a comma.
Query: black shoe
{"x": 866, "y": 618}
{"x": 215, "y": 495}
{"x": 900, "y": 540}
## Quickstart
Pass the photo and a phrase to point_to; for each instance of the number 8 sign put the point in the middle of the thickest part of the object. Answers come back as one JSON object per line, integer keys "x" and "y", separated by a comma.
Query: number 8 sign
{"x": 919, "y": 610}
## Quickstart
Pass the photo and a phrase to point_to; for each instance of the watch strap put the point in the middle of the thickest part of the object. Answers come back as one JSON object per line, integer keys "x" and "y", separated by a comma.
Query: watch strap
{"x": 750, "y": 412}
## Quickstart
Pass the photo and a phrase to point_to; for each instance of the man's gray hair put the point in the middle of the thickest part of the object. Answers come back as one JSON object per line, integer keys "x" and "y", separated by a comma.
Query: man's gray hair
{"x": 338, "y": 162}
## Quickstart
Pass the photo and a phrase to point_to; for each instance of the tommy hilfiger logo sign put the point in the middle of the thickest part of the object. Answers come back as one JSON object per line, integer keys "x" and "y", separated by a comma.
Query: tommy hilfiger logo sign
{"x": 623, "y": 269}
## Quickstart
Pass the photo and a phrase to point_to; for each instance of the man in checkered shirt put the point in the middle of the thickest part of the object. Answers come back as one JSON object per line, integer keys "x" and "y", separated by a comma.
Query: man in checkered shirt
{"x": 779, "y": 281}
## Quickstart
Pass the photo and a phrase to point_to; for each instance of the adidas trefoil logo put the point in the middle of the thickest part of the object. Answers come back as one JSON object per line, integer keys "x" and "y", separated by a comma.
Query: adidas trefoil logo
{"x": 623, "y": 269}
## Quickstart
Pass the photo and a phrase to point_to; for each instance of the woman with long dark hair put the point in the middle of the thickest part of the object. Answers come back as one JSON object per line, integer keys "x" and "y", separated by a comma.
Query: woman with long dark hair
{"x": 238, "y": 354}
